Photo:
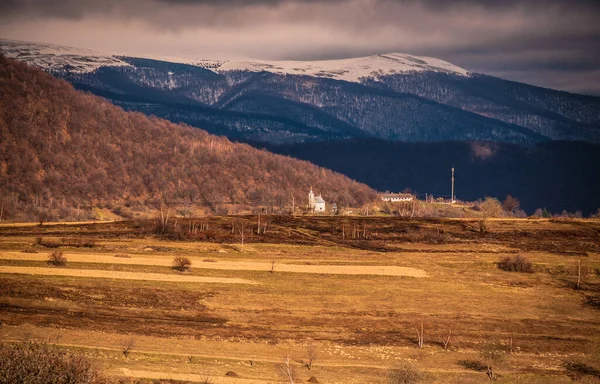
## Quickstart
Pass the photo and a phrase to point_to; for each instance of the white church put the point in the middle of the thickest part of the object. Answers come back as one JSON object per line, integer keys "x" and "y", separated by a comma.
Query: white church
{"x": 315, "y": 203}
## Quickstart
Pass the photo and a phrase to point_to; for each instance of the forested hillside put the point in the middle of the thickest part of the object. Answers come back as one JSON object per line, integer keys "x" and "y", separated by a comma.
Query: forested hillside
{"x": 63, "y": 152}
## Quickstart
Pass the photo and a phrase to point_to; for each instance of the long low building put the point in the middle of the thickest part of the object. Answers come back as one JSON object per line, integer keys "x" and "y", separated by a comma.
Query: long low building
{"x": 396, "y": 197}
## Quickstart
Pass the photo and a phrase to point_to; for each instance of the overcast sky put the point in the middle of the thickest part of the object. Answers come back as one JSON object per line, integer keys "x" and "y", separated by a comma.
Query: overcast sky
{"x": 551, "y": 43}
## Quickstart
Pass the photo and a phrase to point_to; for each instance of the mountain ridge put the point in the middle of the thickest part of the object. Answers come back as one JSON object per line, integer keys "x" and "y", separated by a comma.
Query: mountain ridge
{"x": 56, "y": 57}
{"x": 260, "y": 104}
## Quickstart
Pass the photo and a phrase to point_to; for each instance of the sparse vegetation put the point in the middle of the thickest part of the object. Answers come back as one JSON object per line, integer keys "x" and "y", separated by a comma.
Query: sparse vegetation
{"x": 405, "y": 373}
{"x": 40, "y": 363}
{"x": 492, "y": 353}
{"x": 287, "y": 371}
{"x": 420, "y": 335}
{"x": 374, "y": 319}
{"x": 57, "y": 258}
{"x": 127, "y": 346}
{"x": 181, "y": 264}
{"x": 483, "y": 228}
{"x": 518, "y": 263}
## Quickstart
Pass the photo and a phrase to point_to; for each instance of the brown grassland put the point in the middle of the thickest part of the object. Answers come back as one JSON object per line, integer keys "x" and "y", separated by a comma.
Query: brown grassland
{"x": 300, "y": 297}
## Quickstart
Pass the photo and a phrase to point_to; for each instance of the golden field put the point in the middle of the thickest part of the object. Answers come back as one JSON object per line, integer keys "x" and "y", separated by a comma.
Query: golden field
{"x": 354, "y": 289}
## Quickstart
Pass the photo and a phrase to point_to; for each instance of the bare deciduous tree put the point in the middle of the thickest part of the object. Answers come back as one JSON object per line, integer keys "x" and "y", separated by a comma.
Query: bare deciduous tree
{"x": 293, "y": 206}
{"x": 164, "y": 218}
{"x": 242, "y": 235}
{"x": 492, "y": 353}
{"x": 446, "y": 340}
{"x": 57, "y": 258}
{"x": 287, "y": 371}
{"x": 128, "y": 346}
{"x": 181, "y": 264}
{"x": 420, "y": 335}
{"x": 311, "y": 352}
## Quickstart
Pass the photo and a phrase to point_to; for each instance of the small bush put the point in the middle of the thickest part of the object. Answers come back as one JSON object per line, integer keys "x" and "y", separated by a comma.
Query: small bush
{"x": 473, "y": 365}
{"x": 39, "y": 363}
{"x": 57, "y": 259}
{"x": 181, "y": 264}
{"x": 577, "y": 370}
{"x": 518, "y": 263}
{"x": 405, "y": 373}
{"x": 483, "y": 227}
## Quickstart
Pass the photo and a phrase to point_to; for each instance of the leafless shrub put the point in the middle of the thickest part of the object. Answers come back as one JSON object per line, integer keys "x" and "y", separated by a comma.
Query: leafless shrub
{"x": 57, "y": 259}
{"x": 518, "y": 263}
{"x": 273, "y": 264}
{"x": 577, "y": 370}
{"x": 29, "y": 250}
{"x": 446, "y": 340}
{"x": 311, "y": 352}
{"x": 473, "y": 365}
{"x": 405, "y": 373}
{"x": 429, "y": 236}
{"x": 40, "y": 363}
{"x": 492, "y": 353}
{"x": 287, "y": 371}
{"x": 128, "y": 346}
{"x": 483, "y": 226}
{"x": 181, "y": 264}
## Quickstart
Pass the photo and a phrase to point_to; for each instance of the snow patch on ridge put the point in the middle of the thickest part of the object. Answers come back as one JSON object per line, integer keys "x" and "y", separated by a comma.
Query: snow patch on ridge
{"x": 352, "y": 70}
{"x": 58, "y": 58}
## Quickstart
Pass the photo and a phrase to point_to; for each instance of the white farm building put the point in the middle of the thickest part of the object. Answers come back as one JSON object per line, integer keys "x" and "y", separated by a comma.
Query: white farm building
{"x": 315, "y": 203}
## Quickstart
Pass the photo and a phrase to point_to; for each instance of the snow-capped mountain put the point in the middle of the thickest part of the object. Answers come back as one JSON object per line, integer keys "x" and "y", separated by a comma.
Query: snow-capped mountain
{"x": 58, "y": 58}
{"x": 55, "y": 58}
{"x": 353, "y": 70}
{"x": 390, "y": 96}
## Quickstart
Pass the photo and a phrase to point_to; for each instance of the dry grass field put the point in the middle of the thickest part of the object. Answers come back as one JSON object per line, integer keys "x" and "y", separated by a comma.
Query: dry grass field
{"x": 353, "y": 291}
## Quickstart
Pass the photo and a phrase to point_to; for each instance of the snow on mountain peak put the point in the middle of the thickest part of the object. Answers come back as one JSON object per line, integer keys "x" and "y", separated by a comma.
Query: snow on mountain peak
{"x": 56, "y": 57}
{"x": 53, "y": 57}
{"x": 352, "y": 70}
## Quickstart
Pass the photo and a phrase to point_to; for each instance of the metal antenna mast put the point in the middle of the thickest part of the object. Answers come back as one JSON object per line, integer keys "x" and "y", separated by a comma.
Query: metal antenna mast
{"x": 452, "y": 197}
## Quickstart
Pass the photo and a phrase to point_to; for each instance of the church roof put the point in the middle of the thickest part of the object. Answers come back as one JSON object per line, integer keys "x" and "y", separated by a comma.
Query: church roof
{"x": 319, "y": 199}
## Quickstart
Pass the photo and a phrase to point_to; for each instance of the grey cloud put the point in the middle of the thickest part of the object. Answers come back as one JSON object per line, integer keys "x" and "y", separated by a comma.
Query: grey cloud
{"x": 545, "y": 40}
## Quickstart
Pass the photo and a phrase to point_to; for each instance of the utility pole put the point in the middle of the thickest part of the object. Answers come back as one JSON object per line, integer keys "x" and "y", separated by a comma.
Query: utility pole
{"x": 452, "y": 196}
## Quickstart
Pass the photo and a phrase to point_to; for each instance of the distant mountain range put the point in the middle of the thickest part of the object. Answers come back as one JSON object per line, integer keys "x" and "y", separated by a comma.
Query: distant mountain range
{"x": 391, "y": 121}
{"x": 393, "y": 96}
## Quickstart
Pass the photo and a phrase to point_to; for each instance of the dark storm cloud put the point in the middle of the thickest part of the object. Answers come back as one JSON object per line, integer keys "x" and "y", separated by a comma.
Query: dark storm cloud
{"x": 546, "y": 42}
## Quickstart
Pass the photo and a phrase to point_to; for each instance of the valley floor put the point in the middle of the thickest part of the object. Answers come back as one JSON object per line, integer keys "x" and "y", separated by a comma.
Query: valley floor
{"x": 358, "y": 302}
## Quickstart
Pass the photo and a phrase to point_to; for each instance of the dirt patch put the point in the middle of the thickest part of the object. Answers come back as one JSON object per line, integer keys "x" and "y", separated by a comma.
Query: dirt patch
{"x": 189, "y": 377}
{"x": 121, "y": 275}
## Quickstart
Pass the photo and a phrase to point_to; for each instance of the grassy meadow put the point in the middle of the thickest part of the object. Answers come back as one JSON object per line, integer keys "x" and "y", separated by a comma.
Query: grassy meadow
{"x": 288, "y": 291}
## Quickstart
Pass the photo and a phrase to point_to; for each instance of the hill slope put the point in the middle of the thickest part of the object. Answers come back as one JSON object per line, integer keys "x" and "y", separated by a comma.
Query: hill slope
{"x": 62, "y": 150}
